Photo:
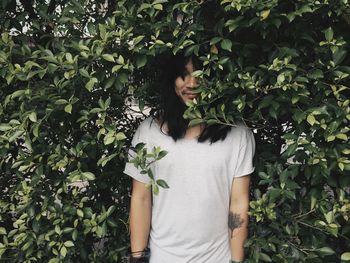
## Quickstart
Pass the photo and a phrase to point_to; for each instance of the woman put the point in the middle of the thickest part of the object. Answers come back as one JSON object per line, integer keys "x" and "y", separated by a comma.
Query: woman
{"x": 203, "y": 216}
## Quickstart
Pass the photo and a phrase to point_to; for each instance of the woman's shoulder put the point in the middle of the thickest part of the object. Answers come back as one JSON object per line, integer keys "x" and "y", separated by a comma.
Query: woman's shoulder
{"x": 147, "y": 125}
{"x": 241, "y": 131}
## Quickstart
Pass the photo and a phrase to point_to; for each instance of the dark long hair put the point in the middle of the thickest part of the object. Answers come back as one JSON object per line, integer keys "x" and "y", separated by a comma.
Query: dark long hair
{"x": 171, "y": 107}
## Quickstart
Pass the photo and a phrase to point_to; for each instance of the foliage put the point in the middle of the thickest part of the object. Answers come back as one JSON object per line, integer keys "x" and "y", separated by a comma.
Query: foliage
{"x": 69, "y": 70}
{"x": 142, "y": 159}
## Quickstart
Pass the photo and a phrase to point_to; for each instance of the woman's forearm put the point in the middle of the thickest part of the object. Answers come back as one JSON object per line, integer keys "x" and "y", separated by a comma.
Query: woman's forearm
{"x": 238, "y": 228}
{"x": 140, "y": 222}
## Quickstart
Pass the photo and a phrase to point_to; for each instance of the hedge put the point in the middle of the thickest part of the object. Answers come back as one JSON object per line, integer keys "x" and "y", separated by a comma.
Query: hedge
{"x": 71, "y": 70}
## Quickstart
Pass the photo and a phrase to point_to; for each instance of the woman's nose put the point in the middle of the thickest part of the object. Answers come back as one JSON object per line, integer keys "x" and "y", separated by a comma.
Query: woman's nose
{"x": 192, "y": 82}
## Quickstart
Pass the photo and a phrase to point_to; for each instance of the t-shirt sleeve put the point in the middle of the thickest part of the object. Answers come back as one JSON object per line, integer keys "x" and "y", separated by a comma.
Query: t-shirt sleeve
{"x": 244, "y": 165}
{"x": 130, "y": 168}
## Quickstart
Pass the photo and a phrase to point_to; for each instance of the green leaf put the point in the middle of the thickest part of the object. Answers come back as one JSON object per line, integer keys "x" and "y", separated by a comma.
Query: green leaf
{"x": 112, "y": 223}
{"x": 63, "y": 251}
{"x": 290, "y": 150}
{"x": 68, "y": 244}
{"x": 162, "y": 183}
{"x": 116, "y": 68}
{"x": 313, "y": 200}
{"x": 110, "y": 82}
{"x": 88, "y": 176}
{"x": 273, "y": 113}
{"x": 266, "y": 102}
{"x": 138, "y": 39}
{"x": 325, "y": 251}
{"x": 150, "y": 174}
{"x": 108, "y": 139}
{"x": 36, "y": 130}
{"x": 5, "y": 127}
{"x": 330, "y": 138}
{"x": 84, "y": 73}
{"x": 329, "y": 34}
{"x": 197, "y": 73}
{"x": 226, "y": 44}
{"x": 339, "y": 56}
{"x": 158, "y": 7}
{"x": 141, "y": 61}
{"x": 5, "y": 37}
{"x": 68, "y": 230}
{"x": 80, "y": 213}
{"x": 108, "y": 57}
{"x": 32, "y": 116}
{"x": 315, "y": 74}
{"x": 58, "y": 229}
{"x": 346, "y": 151}
{"x": 195, "y": 122}
{"x": 15, "y": 135}
{"x": 290, "y": 136}
{"x": 90, "y": 84}
{"x": 68, "y": 108}
{"x": 121, "y": 60}
{"x": 155, "y": 188}
{"x": 110, "y": 210}
{"x": 162, "y": 154}
{"x": 311, "y": 119}
{"x": 280, "y": 78}
{"x": 75, "y": 235}
{"x": 265, "y": 257}
{"x": 329, "y": 217}
{"x": 120, "y": 136}
{"x": 215, "y": 40}
{"x": 61, "y": 102}
{"x": 159, "y": 42}
{"x": 123, "y": 77}
{"x": 69, "y": 58}
{"x": 345, "y": 256}
{"x": 264, "y": 14}
{"x": 342, "y": 136}
{"x": 3, "y": 231}
{"x": 17, "y": 93}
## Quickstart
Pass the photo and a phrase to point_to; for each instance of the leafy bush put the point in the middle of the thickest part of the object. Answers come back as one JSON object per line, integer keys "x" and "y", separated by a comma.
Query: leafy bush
{"x": 71, "y": 70}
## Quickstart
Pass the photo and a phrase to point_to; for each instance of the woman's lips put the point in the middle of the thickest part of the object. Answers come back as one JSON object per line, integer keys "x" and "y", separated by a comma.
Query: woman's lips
{"x": 188, "y": 93}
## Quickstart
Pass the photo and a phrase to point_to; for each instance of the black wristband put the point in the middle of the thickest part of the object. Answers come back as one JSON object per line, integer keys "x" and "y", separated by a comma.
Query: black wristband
{"x": 142, "y": 257}
{"x": 139, "y": 260}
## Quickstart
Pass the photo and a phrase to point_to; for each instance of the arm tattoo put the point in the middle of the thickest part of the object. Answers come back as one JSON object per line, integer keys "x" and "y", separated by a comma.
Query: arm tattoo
{"x": 234, "y": 221}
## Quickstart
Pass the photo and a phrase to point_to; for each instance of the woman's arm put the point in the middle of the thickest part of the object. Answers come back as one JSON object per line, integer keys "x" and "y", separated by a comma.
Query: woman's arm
{"x": 238, "y": 216}
{"x": 140, "y": 217}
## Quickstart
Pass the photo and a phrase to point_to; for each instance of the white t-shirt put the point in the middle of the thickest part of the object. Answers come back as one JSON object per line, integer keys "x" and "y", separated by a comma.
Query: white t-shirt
{"x": 190, "y": 219}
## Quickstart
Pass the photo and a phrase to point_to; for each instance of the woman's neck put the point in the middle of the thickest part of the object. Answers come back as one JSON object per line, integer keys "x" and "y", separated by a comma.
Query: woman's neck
{"x": 192, "y": 132}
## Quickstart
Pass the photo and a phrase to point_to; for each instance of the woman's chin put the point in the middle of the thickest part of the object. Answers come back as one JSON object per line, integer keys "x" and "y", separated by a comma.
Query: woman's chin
{"x": 187, "y": 97}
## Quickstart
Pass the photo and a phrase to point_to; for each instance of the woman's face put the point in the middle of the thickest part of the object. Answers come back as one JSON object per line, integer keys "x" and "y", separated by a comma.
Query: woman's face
{"x": 184, "y": 86}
